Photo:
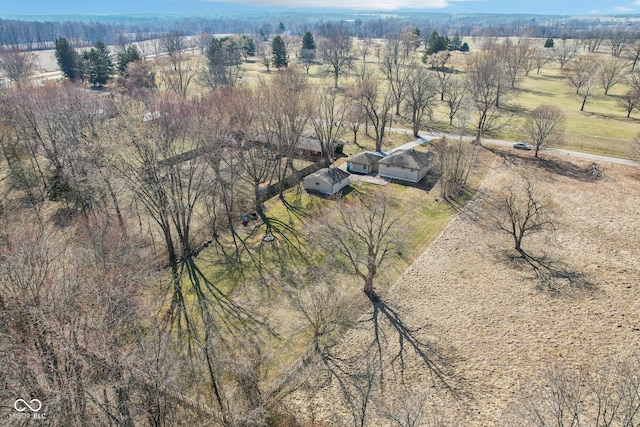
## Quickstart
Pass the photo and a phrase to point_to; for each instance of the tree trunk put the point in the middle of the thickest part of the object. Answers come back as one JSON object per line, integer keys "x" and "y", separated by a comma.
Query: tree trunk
{"x": 368, "y": 287}
{"x": 584, "y": 101}
{"x": 116, "y": 206}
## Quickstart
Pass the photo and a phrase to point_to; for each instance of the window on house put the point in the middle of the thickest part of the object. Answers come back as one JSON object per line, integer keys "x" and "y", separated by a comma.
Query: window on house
{"x": 317, "y": 183}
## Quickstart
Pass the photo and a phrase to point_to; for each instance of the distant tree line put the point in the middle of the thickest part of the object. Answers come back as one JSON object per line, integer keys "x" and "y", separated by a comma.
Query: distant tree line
{"x": 32, "y": 35}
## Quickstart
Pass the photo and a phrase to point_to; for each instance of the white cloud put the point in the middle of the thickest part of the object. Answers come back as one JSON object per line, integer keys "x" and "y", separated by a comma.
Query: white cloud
{"x": 622, "y": 9}
{"x": 356, "y": 4}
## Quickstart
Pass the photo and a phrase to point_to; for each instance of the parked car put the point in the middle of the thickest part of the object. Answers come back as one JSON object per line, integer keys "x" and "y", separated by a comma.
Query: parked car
{"x": 523, "y": 146}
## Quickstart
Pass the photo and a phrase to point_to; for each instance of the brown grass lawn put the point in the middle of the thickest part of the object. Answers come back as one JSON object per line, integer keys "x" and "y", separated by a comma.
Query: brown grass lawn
{"x": 494, "y": 328}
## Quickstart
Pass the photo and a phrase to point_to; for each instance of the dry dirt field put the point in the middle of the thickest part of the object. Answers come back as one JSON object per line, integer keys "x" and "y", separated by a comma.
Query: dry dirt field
{"x": 484, "y": 320}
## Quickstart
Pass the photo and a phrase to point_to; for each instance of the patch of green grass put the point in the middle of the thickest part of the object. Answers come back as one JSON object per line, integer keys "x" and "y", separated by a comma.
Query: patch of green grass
{"x": 602, "y": 128}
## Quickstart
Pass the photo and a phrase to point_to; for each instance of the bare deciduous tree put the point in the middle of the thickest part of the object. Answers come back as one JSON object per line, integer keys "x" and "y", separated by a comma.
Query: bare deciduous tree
{"x": 582, "y": 75}
{"x": 455, "y": 97}
{"x": 540, "y": 57}
{"x": 486, "y": 85}
{"x": 413, "y": 408}
{"x": 328, "y": 120}
{"x": 629, "y": 100}
{"x": 611, "y": 73}
{"x": 544, "y": 126}
{"x": 264, "y": 53}
{"x": 170, "y": 182}
{"x": 617, "y": 40}
{"x": 16, "y": 65}
{"x": 438, "y": 63}
{"x": 517, "y": 58}
{"x": 565, "y": 52}
{"x": 519, "y": 212}
{"x": 606, "y": 395}
{"x": 173, "y": 43}
{"x": 376, "y": 103}
{"x": 335, "y": 47}
{"x": 365, "y": 234}
{"x": 177, "y": 71}
{"x": 420, "y": 92}
{"x": 285, "y": 107}
{"x": 394, "y": 65}
{"x": 59, "y": 128}
{"x": 634, "y": 50}
{"x": 456, "y": 160}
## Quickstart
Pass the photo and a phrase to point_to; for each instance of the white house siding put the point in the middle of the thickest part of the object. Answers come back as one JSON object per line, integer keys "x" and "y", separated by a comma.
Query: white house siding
{"x": 317, "y": 184}
{"x": 359, "y": 168}
{"x": 340, "y": 185}
{"x": 320, "y": 185}
{"x": 405, "y": 174}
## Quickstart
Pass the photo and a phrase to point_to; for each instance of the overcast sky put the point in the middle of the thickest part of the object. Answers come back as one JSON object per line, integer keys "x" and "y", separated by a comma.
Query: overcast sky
{"x": 563, "y": 7}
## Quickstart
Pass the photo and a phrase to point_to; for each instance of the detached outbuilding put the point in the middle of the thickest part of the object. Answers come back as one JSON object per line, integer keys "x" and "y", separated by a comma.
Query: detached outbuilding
{"x": 326, "y": 181}
{"x": 406, "y": 165}
{"x": 365, "y": 162}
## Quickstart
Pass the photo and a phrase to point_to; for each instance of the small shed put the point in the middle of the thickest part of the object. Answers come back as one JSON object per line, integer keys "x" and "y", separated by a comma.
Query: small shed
{"x": 406, "y": 165}
{"x": 365, "y": 162}
{"x": 326, "y": 181}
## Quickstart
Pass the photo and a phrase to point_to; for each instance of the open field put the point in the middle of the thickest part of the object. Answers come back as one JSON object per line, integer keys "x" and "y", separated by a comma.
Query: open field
{"x": 495, "y": 329}
{"x": 459, "y": 319}
{"x": 601, "y": 129}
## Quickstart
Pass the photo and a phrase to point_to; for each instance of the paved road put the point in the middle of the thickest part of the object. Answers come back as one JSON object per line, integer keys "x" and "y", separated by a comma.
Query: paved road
{"x": 578, "y": 154}
{"x": 427, "y": 137}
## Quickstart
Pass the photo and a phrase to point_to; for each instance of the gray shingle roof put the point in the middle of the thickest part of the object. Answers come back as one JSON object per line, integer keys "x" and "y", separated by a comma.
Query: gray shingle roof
{"x": 310, "y": 144}
{"x": 411, "y": 159}
{"x": 366, "y": 158}
{"x": 333, "y": 175}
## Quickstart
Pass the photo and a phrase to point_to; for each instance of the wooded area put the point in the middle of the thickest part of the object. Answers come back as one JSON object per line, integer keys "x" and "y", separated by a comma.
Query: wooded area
{"x": 160, "y": 263}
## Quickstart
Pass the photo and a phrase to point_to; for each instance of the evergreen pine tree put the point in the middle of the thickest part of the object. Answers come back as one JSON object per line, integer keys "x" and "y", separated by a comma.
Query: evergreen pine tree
{"x": 67, "y": 58}
{"x": 132, "y": 54}
{"x": 307, "y": 53}
{"x": 436, "y": 43}
{"x": 308, "y": 42}
{"x": 280, "y": 58}
{"x": 248, "y": 46}
{"x": 455, "y": 43}
{"x": 99, "y": 65}
{"x": 223, "y": 57}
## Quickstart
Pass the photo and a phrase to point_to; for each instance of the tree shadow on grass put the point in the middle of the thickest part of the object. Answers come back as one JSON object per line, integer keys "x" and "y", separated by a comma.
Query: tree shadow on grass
{"x": 387, "y": 321}
{"x": 361, "y": 377}
{"x": 425, "y": 184}
{"x": 553, "y": 166}
{"x": 554, "y": 277}
{"x": 469, "y": 204}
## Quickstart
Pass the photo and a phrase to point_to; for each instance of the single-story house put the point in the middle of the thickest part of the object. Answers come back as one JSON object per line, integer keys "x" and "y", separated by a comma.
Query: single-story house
{"x": 406, "y": 165}
{"x": 365, "y": 162}
{"x": 326, "y": 180}
{"x": 311, "y": 148}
